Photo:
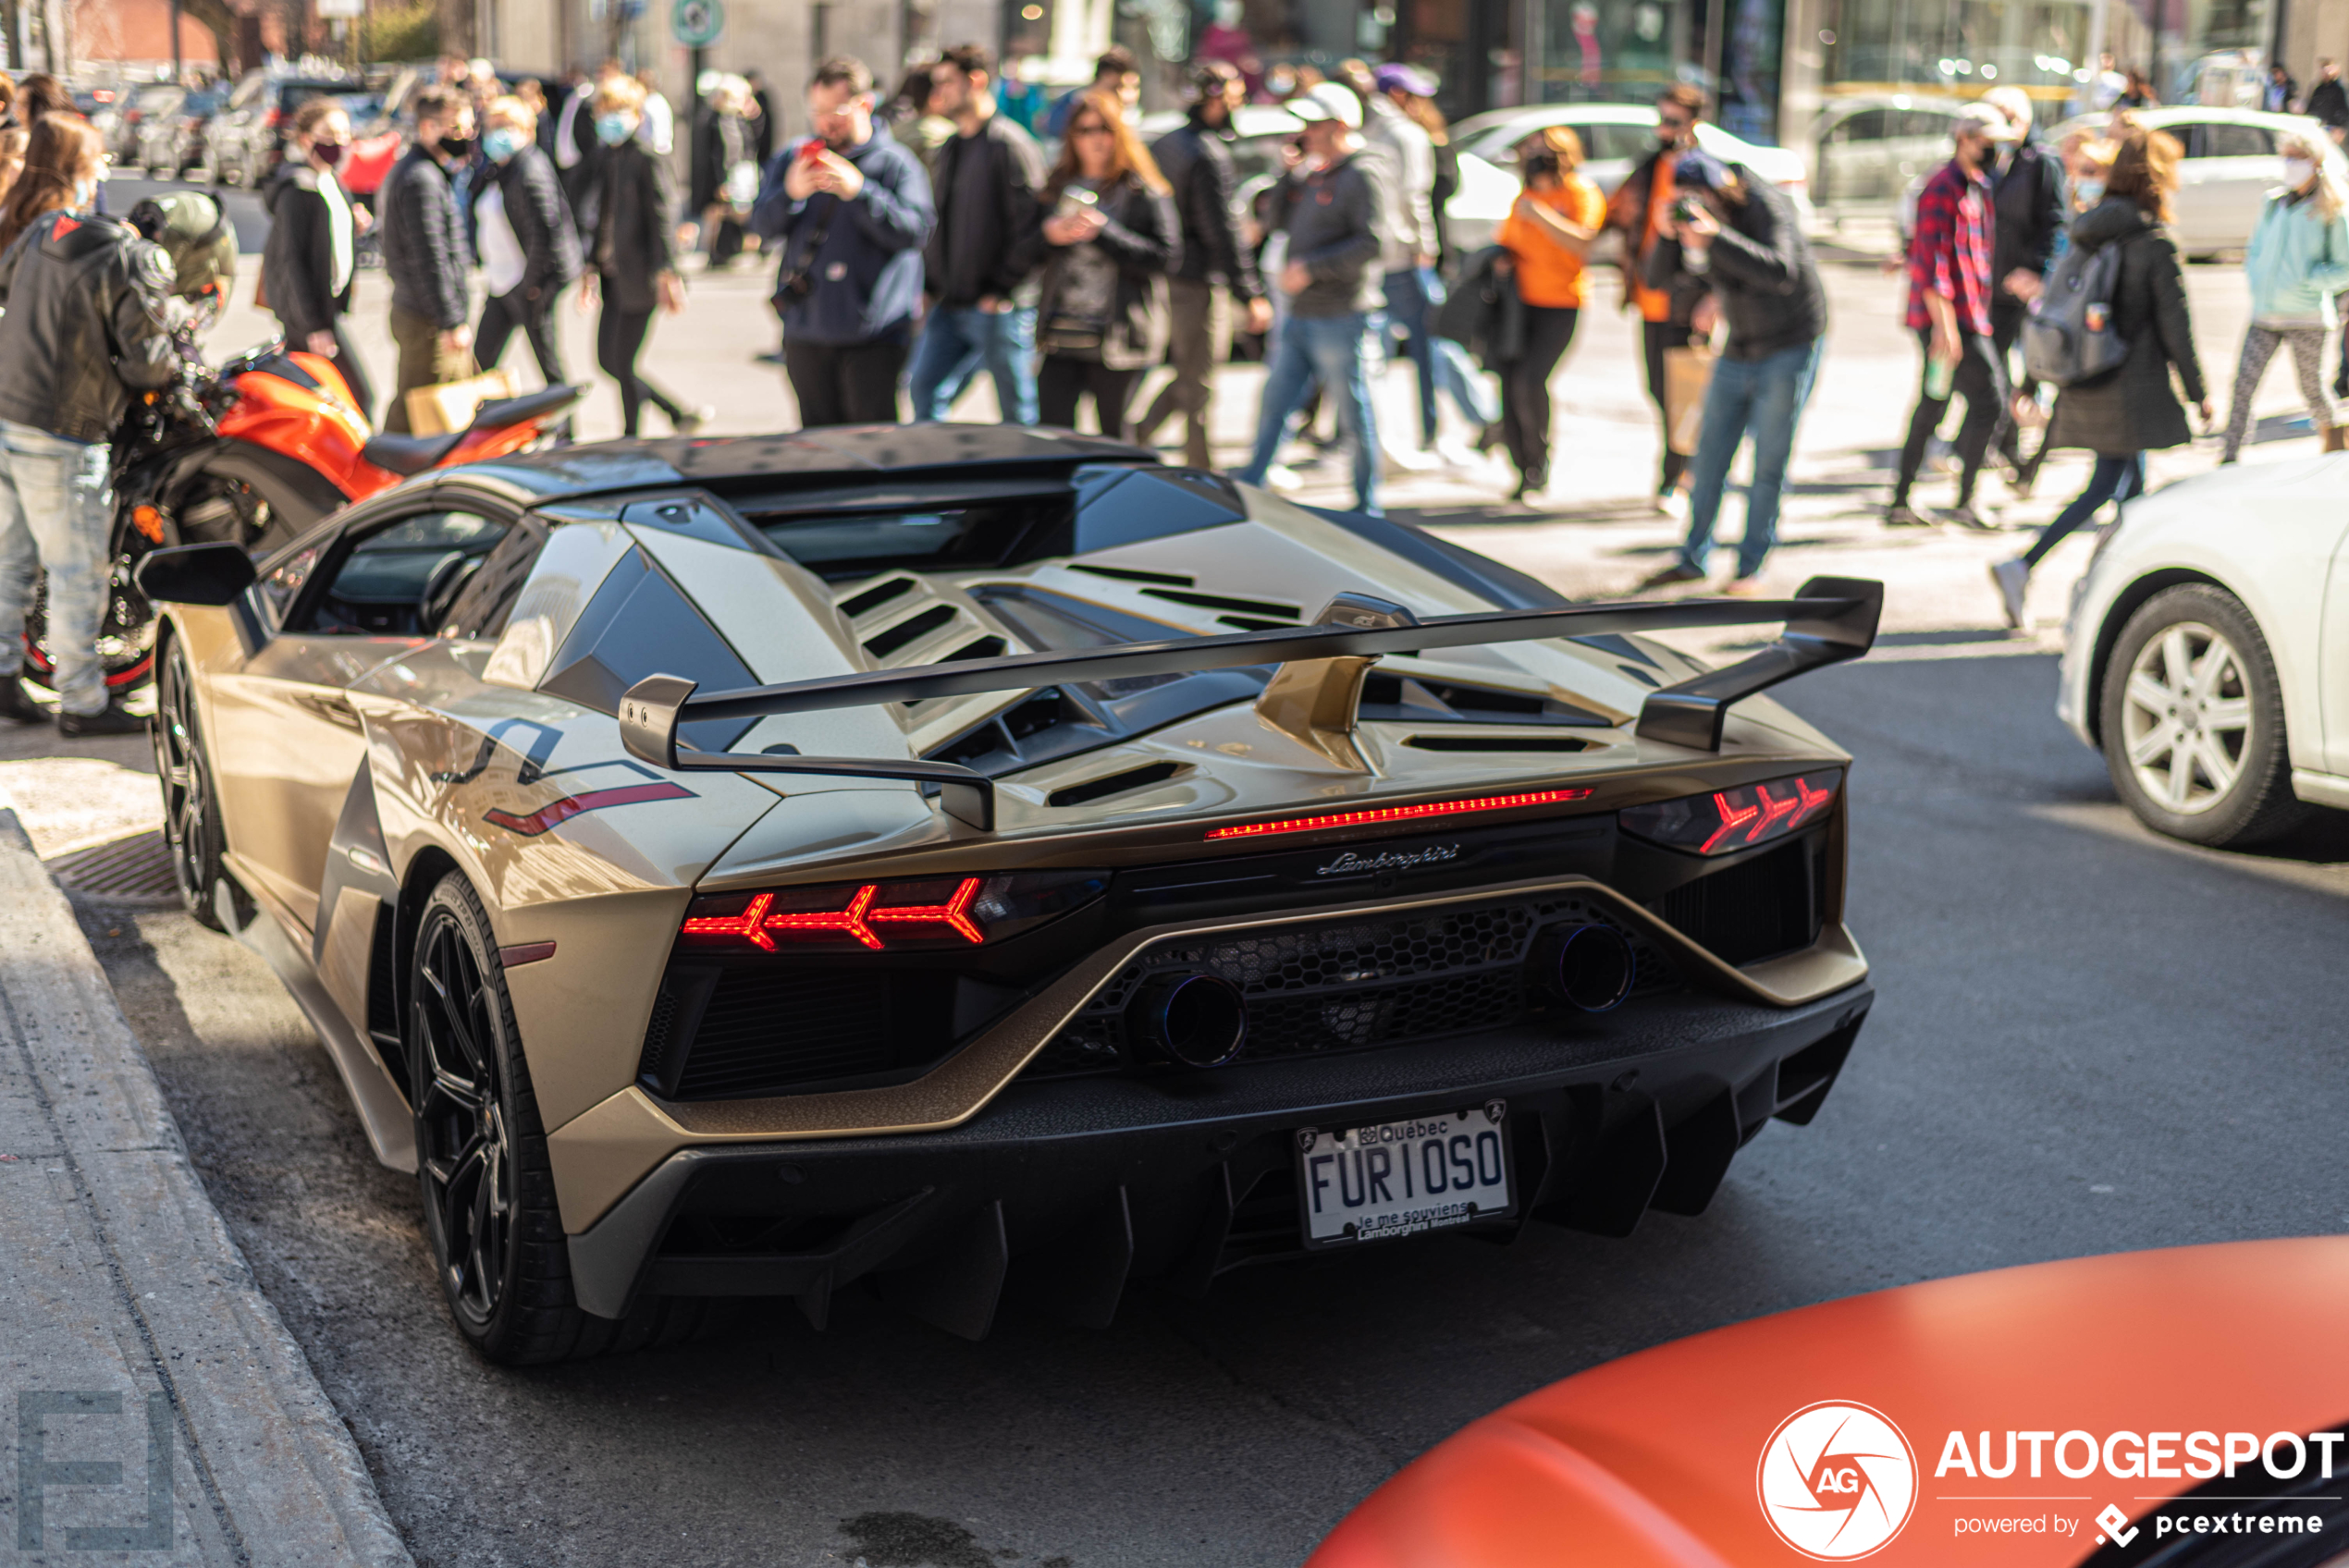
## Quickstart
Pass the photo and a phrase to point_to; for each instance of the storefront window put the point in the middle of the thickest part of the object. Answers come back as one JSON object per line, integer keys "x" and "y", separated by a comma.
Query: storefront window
{"x": 1899, "y": 46}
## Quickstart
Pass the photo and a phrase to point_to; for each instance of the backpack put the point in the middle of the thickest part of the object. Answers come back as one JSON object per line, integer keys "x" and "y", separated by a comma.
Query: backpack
{"x": 2069, "y": 337}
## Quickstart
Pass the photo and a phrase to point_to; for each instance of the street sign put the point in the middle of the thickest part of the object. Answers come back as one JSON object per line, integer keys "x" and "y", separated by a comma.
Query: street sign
{"x": 697, "y": 24}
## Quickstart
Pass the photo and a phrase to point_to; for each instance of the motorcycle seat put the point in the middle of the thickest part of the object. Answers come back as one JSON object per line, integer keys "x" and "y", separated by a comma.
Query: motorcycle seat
{"x": 498, "y": 412}
{"x": 408, "y": 454}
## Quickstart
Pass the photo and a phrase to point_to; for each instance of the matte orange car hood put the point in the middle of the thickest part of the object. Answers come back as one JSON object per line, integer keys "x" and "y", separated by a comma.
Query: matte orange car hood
{"x": 1653, "y": 1460}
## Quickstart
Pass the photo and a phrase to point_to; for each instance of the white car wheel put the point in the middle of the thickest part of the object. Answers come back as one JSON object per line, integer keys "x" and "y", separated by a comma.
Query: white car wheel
{"x": 2185, "y": 722}
{"x": 2192, "y": 722}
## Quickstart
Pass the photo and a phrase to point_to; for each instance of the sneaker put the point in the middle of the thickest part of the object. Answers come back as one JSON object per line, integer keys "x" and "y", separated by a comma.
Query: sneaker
{"x": 15, "y": 705}
{"x": 1458, "y": 453}
{"x": 2011, "y": 578}
{"x": 108, "y": 720}
{"x": 1905, "y": 516}
{"x": 1672, "y": 503}
{"x": 1964, "y": 516}
{"x": 691, "y": 421}
{"x": 1672, "y": 576}
{"x": 1279, "y": 478}
{"x": 1743, "y": 588}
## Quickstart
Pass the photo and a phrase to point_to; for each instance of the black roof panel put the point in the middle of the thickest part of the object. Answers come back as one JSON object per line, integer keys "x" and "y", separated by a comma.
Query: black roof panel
{"x": 836, "y": 453}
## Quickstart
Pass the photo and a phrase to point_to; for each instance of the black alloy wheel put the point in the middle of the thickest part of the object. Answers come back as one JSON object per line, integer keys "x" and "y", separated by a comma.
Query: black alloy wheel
{"x": 490, "y": 1213}
{"x": 459, "y": 1042}
{"x": 191, "y": 815}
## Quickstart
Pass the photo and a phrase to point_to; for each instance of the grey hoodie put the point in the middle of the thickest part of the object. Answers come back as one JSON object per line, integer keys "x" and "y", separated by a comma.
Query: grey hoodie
{"x": 1337, "y": 219}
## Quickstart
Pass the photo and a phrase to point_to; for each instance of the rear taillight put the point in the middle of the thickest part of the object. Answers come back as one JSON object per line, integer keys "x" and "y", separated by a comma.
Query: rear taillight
{"x": 943, "y": 911}
{"x": 270, "y": 120}
{"x": 1729, "y": 820}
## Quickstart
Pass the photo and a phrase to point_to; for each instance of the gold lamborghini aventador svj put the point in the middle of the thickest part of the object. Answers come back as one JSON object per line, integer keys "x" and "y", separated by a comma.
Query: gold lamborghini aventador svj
{"x": 939, "y": 854}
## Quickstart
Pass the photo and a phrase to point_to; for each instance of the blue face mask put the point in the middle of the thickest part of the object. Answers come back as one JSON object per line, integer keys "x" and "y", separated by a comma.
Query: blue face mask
{"x": 501, "y": 144}
{"x": 2090, "y": 192}
{"x": 613, "y": 130}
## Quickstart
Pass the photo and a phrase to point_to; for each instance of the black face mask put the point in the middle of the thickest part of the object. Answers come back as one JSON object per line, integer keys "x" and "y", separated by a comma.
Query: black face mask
{"x": 457, "y": 146}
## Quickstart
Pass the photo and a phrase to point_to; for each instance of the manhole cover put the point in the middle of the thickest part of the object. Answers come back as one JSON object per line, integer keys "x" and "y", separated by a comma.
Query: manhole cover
{"x": 136, "y": 870}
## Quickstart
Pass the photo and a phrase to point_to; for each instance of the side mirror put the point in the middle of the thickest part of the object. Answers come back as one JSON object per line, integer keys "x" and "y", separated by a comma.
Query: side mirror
{"x": 195, "y": 574}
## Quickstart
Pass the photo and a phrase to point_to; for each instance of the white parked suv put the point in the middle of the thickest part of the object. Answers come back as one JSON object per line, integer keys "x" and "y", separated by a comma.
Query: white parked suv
{"x": 2206, "y": 651}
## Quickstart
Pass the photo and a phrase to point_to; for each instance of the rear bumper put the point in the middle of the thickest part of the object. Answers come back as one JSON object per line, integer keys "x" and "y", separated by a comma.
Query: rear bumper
{"x": 1065, "y": 1190}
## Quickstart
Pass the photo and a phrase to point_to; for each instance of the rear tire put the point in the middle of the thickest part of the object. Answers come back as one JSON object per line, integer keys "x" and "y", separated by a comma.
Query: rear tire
{"x": 2192, "y": 720}
{"x": 488, "y": 1190}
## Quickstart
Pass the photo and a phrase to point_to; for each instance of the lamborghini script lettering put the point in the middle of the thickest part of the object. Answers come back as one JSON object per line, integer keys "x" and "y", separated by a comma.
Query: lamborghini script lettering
{"x": 1351, "y": 865}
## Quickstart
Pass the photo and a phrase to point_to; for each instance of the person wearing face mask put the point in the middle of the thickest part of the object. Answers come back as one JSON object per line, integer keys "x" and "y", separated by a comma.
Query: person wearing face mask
{"x": 2298, "y": 260}
{"x": 632, "y": 266}
{"x": 424, "y": 247}
{"x": 529, "y": 245}
{"x": 308, "y": 266}
{"x": 85, "y": 323}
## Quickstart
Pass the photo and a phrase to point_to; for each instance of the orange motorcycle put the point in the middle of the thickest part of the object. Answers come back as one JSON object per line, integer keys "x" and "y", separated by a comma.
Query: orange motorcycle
{"x": 255, "y": 454}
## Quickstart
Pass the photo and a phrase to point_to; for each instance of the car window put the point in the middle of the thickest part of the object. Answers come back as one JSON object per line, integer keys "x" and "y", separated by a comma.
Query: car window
{"x": 2223, "y": 141}
{"x": 482, "y": 605}
{"x": 1602, "y": 143}
{"x": 1927, "y": 123}
{"x": 1868, "y": 125}
{"x": 402, "y": 579}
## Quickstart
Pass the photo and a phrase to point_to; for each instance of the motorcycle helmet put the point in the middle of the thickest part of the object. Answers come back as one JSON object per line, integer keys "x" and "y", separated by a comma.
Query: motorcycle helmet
{"x": 195, "y": 233}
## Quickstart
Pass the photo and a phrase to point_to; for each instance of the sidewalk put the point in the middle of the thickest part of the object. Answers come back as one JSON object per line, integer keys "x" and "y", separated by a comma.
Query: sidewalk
{"x": 160, "y": 1411}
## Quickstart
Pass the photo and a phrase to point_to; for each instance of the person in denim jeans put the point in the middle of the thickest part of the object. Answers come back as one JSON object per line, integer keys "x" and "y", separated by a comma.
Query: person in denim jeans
{"x": 84, "y": 324}
{"x": 1332, "y": 280}
{"x": 1741, "y": 234}
{"x": 980, "y": 262}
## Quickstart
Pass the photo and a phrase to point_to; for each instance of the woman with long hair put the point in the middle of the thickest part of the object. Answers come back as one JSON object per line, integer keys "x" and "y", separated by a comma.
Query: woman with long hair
{"x": 310, "y": 258}
{"x": 632, "y": 269}
{"x": 12, "y": 140}
{"x": 1102, "y": 312}
{"x": 2126, "y": 412}
{"x": 2298, "y": 260}
{"x": 1547, "y": 234}
{"x": 82, "y": 326}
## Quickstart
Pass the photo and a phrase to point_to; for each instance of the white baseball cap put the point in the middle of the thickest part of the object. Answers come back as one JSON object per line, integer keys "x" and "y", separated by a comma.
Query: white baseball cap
{"x": 1327, "y": 101}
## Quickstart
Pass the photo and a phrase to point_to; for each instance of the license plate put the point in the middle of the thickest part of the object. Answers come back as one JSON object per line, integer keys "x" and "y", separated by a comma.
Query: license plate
{"x": 1400, "y": 1178}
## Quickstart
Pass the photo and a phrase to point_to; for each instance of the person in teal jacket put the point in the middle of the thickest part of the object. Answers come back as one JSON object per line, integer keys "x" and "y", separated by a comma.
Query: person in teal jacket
{"x": 2298, "y": 261}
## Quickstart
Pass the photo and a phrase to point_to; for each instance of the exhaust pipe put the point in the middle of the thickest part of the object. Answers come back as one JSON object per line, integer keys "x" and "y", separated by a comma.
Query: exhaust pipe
{"x": 1192, "y": 1020}
{"x": 1589, "y": 967}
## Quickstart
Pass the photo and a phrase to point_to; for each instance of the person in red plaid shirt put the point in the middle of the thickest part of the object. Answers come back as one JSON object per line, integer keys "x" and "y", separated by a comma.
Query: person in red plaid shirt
{"x": 1949, "y": 312}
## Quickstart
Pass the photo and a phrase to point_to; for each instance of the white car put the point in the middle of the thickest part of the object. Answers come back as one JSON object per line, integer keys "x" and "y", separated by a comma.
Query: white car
{"x": 1615, "y": 136}
{"x": 2194, "y": 644}
{"x": 1866, "y": 150}
{"x": 2233, "y": 160}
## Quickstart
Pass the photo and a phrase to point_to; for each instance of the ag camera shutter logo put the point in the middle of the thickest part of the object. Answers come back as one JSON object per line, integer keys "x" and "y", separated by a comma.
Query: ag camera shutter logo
{"x": 1837, "y": 1480}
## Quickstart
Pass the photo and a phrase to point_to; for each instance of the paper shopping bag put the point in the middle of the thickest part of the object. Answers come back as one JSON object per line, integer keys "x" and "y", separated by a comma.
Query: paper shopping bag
{"x": 450, "y": 405}
{"x": 1688, "y": 372}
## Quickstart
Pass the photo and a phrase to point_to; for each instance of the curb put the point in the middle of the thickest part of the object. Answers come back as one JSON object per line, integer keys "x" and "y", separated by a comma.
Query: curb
{"x": 276, "y": 1465}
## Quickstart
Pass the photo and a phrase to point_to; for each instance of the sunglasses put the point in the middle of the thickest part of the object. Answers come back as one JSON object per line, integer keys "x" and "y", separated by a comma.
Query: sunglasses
{"x": 1089, "y": 128}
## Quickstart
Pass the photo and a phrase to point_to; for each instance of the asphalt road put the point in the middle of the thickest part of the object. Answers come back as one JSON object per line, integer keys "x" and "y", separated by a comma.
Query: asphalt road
{"x": 2086, "y": 1040}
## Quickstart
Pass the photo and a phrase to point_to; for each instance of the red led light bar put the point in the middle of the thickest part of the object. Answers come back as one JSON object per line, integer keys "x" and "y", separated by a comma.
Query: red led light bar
{"x": 857, "y": 920}
{"x": 1728, "y": 821}
{"x": 1396, "y": 813}
{"x": 1732, "y": 819}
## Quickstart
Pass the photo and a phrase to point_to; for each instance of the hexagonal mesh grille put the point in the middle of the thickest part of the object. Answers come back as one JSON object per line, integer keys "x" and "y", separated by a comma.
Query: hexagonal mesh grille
{"x": 1352, "y": 984}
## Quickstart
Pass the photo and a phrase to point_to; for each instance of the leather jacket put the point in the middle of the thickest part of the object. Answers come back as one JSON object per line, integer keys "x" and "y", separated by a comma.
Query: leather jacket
{"x": 85, "y": 322}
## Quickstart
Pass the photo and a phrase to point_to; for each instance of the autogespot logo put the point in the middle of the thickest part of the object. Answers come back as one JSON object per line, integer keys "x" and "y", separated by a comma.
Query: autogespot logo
{"x": 1837, "y": 1480}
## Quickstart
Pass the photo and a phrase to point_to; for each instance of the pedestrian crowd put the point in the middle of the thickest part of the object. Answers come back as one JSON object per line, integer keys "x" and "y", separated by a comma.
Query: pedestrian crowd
{"x": 922, "y": 240}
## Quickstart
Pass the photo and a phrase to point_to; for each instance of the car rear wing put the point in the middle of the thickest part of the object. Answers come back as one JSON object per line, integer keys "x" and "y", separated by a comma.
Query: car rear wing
{"x": 1830, "y": 619}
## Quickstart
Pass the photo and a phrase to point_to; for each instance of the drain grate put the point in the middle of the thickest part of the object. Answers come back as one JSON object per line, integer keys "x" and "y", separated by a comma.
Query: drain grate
{"x": 136, "y": 870}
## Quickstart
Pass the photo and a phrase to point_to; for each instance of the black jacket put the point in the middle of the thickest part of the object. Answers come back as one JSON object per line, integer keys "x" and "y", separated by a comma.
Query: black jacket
{"x": 2134, "y": 408}
{"x": 2329, "y": 101}
{"x": 1337, "y": 219}
{"x": 85, "y": 324}
{"x": 1761, "y": 273}
{"x": 635, "y": 207}
{"x": 1143, "y": 236}
{"x": 990, "y": 238}
{"x": 1483, "y": 309}
{"x": 298, "y": 263}
{"x": 1627, "y": 212}
{"x": 424, "y": 240}
{"x": 2027, "y": 196}
{"x": 1196, "y": 162}
{"x": 541, "y": 220}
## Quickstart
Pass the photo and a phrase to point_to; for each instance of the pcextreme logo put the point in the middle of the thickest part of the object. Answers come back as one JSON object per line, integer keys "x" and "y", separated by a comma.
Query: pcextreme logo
{"x": 1837, "y": 1480}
